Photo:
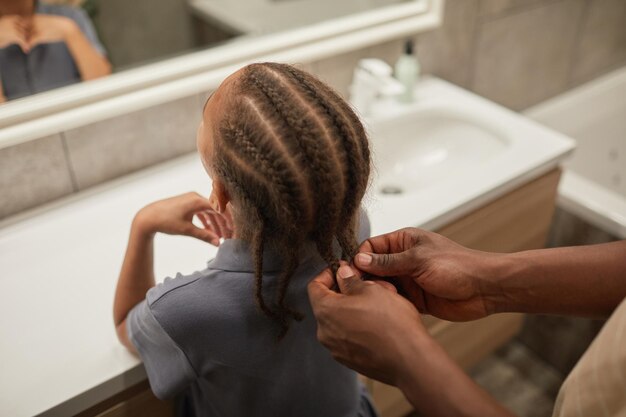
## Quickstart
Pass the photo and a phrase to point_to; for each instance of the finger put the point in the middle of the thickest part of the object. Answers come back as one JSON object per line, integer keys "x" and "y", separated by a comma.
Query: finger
{"x": 349, "y": 280}
{"x": 20, "y": 27}
{"x": 228, "y": 223}
{"x": 393, "y": 242}
{"x": 24, "y": 45}
{"x": 225, "y": 226}
{"x": 386, "y": 285}
{"x": 223, "y": 221}
{"x": 214, "y": 219}
{"x": 204, "y": 234}
{"x": 204, "y": 220}
{"x": 380, "y": 244}
{"x": 199, "y": 203}
{"x": 22, "y": 38}
{"x": 321, "y": 286}
{"x": 387, "y": 264}
{"x": 27, "y": 29}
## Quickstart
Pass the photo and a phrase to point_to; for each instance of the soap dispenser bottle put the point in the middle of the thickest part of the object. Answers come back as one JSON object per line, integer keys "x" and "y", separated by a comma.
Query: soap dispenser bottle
{"x": 407, "y": 71}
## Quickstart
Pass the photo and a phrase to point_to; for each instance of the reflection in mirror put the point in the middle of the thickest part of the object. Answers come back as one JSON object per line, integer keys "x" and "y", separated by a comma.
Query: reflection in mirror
{"x": 143, "y": 31}
{"x": 267, "y": 16}
{"x": 45, "y": 46}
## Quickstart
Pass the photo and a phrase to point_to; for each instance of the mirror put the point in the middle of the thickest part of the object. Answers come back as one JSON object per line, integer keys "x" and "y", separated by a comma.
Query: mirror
{"x": 47, "y": 44}
{"x": 150, "y": 69}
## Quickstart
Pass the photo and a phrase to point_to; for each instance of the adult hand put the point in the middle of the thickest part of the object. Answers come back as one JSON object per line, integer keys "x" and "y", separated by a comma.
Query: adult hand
{"x": 379, "y": 334}
{"x": 174, "y": 216}
{"x": 437, "y": 275}
{"x": 13, "y": 30}
{"x": 367, "y": 327}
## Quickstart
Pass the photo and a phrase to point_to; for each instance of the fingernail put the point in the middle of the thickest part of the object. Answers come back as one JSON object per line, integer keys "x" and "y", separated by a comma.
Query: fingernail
{"x": 345, "y": 272}
{"x": 364, "y": 259}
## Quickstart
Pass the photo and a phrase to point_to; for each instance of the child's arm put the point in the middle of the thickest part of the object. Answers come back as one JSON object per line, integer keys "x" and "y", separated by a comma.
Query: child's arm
{"x": 172, "y": 216}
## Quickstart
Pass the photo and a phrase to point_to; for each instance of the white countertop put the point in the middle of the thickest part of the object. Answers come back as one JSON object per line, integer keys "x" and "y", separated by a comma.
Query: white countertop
{"x": 60, "y": 270}
{"x": 59, "y": 349}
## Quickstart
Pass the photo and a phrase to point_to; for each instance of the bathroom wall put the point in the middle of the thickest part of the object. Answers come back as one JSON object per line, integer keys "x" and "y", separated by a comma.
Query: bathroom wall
{"x": 515, "y": 52}
{"x": 133, "y": 31}
{"x": 142, "y": 31}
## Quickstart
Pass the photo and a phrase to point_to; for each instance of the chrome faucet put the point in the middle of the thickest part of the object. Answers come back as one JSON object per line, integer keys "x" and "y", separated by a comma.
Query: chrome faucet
{"x": 373, "y": 79}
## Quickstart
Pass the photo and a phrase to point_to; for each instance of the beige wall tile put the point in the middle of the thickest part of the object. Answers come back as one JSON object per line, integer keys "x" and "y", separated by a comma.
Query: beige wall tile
{"x": 447, "y": 51}
{"x": 602, "y": 39}
{"x": 524, "y": 58}
{"x": 140, "y": 31}
{"x": 303, "y": 66}
{"x": 114, "y": 147}
{"x": 337, "y": 71}
{"x": 202, "y": 98}
{"x": 494, "y": 7}
{"x": 388, "y": 51}
{"x": 33, "y": 173}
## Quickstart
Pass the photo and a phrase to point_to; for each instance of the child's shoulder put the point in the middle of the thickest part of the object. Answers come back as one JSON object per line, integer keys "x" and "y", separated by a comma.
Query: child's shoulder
{"x": 173, "y": 284}
{"x": 200, "y": 285}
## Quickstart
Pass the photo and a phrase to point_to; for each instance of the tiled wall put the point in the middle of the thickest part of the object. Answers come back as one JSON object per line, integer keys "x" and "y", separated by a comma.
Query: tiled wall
{"x": 40, "y": 171}
{"x": 515, "y": 52}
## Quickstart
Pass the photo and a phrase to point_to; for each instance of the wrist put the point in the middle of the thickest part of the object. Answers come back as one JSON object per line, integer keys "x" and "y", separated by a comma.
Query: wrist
{"x": 499, "y": 289}
{"x": 142, "y": 225}
{"x": 416, "y": 342}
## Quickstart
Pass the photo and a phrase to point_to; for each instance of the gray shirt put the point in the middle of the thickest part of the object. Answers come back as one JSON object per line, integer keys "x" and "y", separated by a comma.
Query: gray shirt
{"x": 202, "y": 335}
{"x": 47, "y": 65}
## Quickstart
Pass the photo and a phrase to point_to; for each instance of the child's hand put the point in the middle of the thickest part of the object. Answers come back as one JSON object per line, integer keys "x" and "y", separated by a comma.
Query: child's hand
{"x": 174, "y": 216}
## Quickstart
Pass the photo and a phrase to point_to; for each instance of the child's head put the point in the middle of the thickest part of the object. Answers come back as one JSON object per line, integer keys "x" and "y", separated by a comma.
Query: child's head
{"x": 293, "y": 159}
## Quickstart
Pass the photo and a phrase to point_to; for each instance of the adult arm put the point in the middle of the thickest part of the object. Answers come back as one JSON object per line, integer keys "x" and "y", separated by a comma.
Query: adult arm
{"x": 452, "y": 282}
{"x": 171, "y": 216}
{"x": 380, "y": 334}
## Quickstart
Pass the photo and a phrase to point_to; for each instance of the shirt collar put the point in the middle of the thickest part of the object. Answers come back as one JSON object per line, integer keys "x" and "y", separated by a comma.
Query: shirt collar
{"x": 235, "y": 255}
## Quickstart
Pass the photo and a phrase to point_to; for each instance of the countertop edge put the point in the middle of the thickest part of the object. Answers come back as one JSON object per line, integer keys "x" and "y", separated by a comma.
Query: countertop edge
{"x": 98, "y": 393}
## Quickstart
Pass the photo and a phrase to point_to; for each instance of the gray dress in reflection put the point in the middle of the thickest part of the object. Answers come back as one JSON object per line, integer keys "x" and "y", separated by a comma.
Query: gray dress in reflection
{"x": 48, "y": 65}
{"x": 202, "y": 338}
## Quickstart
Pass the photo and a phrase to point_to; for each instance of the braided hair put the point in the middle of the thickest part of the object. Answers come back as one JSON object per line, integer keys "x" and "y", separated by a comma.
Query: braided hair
{"x": 295, "y": 160}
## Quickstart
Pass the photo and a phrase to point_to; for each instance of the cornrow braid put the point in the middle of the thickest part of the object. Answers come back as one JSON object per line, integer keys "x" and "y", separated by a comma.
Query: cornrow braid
{"x": 295, "y": 160}
{"x": 306, "y": 133}
{"x": 328, "y": 101}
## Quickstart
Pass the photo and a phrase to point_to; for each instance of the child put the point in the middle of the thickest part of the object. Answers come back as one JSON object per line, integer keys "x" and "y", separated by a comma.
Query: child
{"x": 290, "y": 163}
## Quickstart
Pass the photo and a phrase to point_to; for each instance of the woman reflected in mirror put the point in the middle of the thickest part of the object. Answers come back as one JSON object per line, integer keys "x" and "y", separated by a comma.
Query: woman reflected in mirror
{"x": 45, "y": 46}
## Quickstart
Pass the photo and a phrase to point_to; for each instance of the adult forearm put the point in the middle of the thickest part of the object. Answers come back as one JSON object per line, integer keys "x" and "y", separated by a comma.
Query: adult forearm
{"x": 585, "y": 280}
{"x": 91, "y": 64}
{"x": 436, "y": 386}
{"x": 137, "y": 273}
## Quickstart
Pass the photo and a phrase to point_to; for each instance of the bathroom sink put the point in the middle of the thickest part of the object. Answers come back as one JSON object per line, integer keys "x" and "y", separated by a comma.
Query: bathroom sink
{"x": 448, "y": 153}
{"x": 417, "y": 150}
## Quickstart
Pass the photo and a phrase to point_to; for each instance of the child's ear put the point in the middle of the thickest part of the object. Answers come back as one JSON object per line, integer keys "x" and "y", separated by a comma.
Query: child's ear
{"x": 219, "y": 197}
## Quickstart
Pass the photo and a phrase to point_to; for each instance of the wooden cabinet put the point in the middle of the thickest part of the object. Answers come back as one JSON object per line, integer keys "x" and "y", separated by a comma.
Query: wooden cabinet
{"x": 137, "y": 401}
{"x": 519, "y": 220}
{"x": 516, "y": 221}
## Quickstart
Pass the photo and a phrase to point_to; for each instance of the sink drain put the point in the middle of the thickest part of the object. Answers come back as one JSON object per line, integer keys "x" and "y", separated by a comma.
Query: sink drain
{"x": 391, "y": 190}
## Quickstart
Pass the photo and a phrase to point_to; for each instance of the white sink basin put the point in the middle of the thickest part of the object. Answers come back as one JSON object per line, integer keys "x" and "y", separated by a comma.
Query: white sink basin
{"x": 415, "y": 151}
{"x": 450, "y": 152}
